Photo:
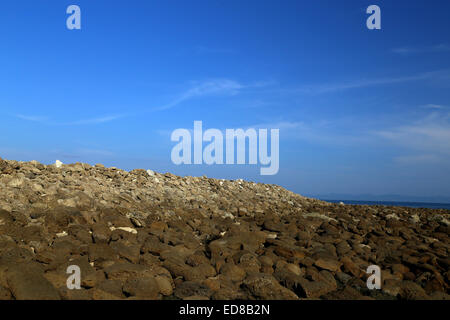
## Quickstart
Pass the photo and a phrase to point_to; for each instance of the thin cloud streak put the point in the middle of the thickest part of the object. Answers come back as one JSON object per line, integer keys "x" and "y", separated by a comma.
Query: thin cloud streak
{"x": 428, "y": 135}
{"x": 99, "y": 120}
{"x": 321, "y": 132}
{"x": 434, "y": 106}
{"x": 428, "y": 138}
{"x": 329, "y": 88}
{"x": 443, "y": 47}
{"x": 30, "y": 118}
{"x": 44, "y": 120}
{"x": 209, "y": 88}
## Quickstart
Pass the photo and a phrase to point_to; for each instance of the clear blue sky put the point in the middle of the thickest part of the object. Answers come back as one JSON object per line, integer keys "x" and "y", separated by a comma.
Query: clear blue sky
{"x": 359, "y": 111}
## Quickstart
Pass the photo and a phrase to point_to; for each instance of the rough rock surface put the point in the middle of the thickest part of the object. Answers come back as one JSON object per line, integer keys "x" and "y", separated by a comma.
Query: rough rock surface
{"x": 146, "y": 235}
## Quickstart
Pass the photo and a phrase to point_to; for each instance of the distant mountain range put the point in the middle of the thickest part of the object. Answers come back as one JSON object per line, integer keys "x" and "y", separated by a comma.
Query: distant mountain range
{"x": 384, "y": 197}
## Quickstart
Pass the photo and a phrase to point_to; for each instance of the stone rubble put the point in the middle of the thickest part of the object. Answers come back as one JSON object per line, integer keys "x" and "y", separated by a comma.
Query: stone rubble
{"x": 147, "y": 235}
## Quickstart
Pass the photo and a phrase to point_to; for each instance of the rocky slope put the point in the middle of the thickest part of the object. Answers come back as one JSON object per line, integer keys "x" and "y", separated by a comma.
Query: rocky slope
{"x": 145, "y": 235}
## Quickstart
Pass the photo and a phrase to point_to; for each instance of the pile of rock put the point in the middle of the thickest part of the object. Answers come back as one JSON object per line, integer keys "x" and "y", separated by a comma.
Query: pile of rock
{"x": 146, "y": 235}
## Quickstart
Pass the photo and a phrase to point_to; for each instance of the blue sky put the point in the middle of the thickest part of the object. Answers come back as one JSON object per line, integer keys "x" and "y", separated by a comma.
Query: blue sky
{"x": 359, "y": 111}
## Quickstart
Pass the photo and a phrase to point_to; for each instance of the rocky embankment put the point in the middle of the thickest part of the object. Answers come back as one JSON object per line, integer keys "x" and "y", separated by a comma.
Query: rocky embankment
{"x": 145, "y": 235}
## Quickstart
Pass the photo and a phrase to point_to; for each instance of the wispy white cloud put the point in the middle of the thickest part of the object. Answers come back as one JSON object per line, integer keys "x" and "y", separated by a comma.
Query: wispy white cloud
{"x": 282, "y": 125}
{"x": 31, "y": 118}
{"x": 210, "y": 88}
{"x": 434, "y": 106}
{"x": 47, "y": 121}
{"x": 428, "y": 135}
{"x": 98, "y": 120}
{"x": 443, "y": 47}
{"x": 214, "y": 87}
{"x": 321, "y": 132}
{"x": 361, "y": 83}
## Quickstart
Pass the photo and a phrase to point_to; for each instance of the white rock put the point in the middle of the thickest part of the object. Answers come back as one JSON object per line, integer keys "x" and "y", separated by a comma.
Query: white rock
{"x": 439, "y": 218}
{"x": 392, "y": 216}
{"x": 320, "y": 216}
{"x": 62, "y": 234}
{"x": 429, "y": 240}
{"x": 15, "y": 183}
{"x": 6, "y": 207}
{"x": 37, "y": 187}
{"x": 414, "y": 218}
{"x": 150, "y": 172}
{"x": 127, "y": 229}
{"x": 227, "y": 215}
{"x": 72, "y": 202}
{"x": 58, "y": 164}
